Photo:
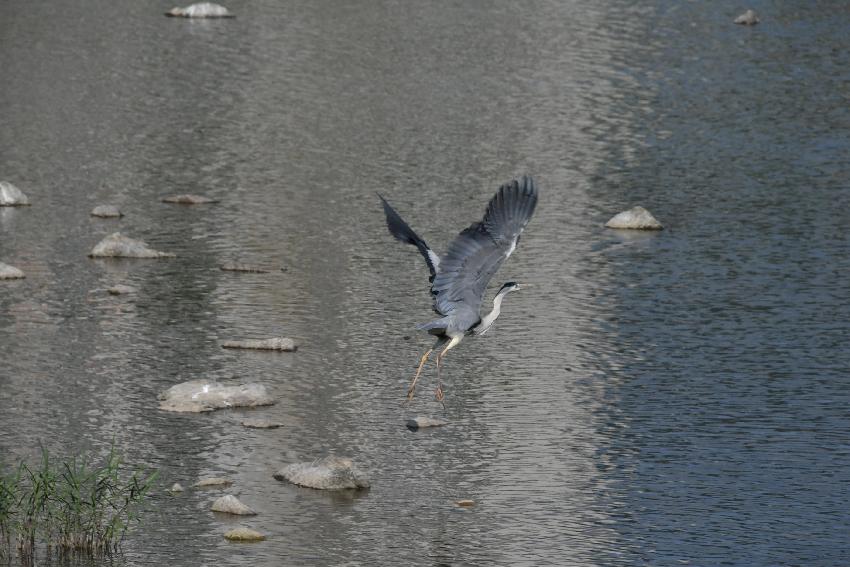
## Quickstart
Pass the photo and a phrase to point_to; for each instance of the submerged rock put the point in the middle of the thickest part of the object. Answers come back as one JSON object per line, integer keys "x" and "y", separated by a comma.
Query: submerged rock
{"x": 422, "y": 422}
{"x": 636, "y": 218}
{"x": 229, "y": 504}
{"x": 11, "y": 196}
{"x": 237, "y": 267}
{"x": 277, "y": 343}
{"x": 117, "y": 245}
{"x": 261, "y": 424}
{"x": 203, "y": 395}
{"x": 106, "y": 211}
{"x": 8, "y": 272}
{"x": 121, "y": 289}
{"x": 244, "y": 534}
{"x": 748, "y": 18}
{"x": 201, "y": 10}
{"x": 189, "y": 200}
{"x": 328, "y": 473}
{"x": 213, "y": 482}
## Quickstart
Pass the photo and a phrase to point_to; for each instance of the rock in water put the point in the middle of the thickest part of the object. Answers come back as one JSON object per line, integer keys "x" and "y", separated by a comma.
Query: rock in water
{"x": 237, "y": 267}
{"x": 278, "y": 343}
{"x": 244, "y": 534}
{"x": 748, "y": 18}
{"x": 176, "y": 487}
{"x": 329, "y": 473}
{"x": 106, "y": 211}
{"x": 189, "y": 200}
{"x": 11, "y": 196}
{"x": 8, "y": 272}
{"x": 213, "y": 482}
{"x": 261, "y": 424}
{"x": 422, "y": 422}
{"x": 203, "y": 395}
{"x": 636, "y": 218}
{"x": 465, "y": 502}
{"x": 121, "y": 289}
{"x": 201, "y": 10}
{"x": 118, "y": 246}
{"x": 229, "y": 504}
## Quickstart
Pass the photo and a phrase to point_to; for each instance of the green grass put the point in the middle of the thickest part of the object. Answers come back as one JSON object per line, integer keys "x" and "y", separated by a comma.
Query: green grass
{"x": 71, "y": 506}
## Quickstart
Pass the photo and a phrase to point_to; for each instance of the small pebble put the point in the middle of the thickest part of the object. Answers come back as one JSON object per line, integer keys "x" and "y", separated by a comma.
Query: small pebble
{"x": 106, "y": 211}
{"x": 748, "y": 18}
{"x": 201, "y": 10}
{"x": 465, "y": 503}
{"x": 244, "y": 534}
{"x": 11, "y": 196}
{"x": 636, "y": 218}
{"x": 229, "y": 504}
{"x": 176, "y": 487}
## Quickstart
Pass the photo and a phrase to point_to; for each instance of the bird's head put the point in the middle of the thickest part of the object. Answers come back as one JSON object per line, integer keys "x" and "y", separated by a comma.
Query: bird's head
{"x": 508, "y": 287}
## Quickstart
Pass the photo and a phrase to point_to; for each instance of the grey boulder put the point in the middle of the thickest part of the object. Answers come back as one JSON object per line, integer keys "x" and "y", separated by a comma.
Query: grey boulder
{"x": 117, "y": 245}
{"x": 11, "y": 196}
{"x": 229, "y": 504}
{"x": 106, "y": 211}
{"x": 748, "y": 18}
{"x": 8, "y": 272}
{"x": 636, "y": 218}
{"x": 328, "y": 473}
{"x": 198, "y": 396}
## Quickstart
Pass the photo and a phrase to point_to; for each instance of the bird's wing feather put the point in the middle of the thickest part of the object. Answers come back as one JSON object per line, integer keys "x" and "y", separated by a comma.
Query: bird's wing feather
{"x": 401, "y": 231}
{"x": 478, "y": 251}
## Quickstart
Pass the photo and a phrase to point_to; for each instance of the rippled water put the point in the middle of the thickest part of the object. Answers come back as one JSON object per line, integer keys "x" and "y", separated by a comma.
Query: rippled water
{"x": 650, "y": 399}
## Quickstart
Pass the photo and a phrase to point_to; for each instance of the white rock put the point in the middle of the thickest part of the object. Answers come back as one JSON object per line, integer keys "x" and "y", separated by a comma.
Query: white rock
{"x": 328, "y": 473}
{"x": 118, "y": 246}
{"x": 121, "y": 289}
{"x": 176, "y": 487}
{"x": 201, "y": 10}
{"x": 635, "y": 218}
{"x": 277, "y": 343}
{"x": 8, "y": 272}
{"x": 422, "y": 422}
{"x": 106, "y": 211}
{"x": 244, "y": 534}
{"x": 229, "y": 504}
{"x": 748, "y": 18}
{"x": 189, "y": 199}
{"x": 203, "y": 395}
{"x": 11, "y": 196}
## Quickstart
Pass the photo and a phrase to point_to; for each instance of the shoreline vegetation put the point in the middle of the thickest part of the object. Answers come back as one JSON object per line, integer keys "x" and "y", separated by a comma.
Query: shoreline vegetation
{"x": 72, "y": 506}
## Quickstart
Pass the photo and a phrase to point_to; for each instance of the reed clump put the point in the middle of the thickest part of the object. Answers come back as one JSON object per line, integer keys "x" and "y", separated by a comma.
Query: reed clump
{"x": 71, "y": 506}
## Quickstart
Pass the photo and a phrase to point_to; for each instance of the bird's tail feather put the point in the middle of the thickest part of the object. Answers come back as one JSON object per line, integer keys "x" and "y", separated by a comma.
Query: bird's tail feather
{"x": 401, "y": 231}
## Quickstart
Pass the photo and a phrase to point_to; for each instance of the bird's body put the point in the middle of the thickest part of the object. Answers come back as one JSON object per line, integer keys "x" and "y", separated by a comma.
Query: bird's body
{"x": 459, "y": 277}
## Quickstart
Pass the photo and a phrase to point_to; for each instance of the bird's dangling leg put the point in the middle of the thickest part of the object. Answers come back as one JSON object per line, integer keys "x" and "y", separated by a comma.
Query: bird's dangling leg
{"x": 438, "y": 393}
{"x": 412, "y": 387}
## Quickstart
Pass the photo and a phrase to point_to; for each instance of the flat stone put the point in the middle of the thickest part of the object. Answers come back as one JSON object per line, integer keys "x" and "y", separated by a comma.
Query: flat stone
{"x": 8, "y": 272}
{"x": 117, "y": 245}
{"x": 277, "y": 343}
{"x": 198, "y": 396}
{"x": 121, "y": 289}
{"x": 244, "y": 535}
{"x": 261, "y": 424}
{"x": 11, "y": 196}
{"x": 201, "y": 10}
{"x": 213, "y": 482}
{"x": 106, "y": 211}
{"x": 465, "y": 503}
{"x": 328, "y": 473}
{"x": 748, "y": 18}
{"x": 421, "y": 422}
{"x": 636, "y": 218}
{"x": 237, "y": 267}
{"x": 176, "y": 487}
{"x": 189, "y": 200}
{"x": 229, "y": 504}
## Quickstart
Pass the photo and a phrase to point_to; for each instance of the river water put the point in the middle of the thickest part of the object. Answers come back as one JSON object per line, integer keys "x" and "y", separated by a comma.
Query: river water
{"x": 671, "y": 398}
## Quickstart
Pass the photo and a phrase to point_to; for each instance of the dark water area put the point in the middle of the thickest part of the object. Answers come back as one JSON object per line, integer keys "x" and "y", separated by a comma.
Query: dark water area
{"x": 666, "y": 398}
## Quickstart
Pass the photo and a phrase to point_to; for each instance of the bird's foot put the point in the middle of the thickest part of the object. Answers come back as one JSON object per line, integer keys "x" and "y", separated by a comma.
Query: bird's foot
{"x": 439, "y": 396}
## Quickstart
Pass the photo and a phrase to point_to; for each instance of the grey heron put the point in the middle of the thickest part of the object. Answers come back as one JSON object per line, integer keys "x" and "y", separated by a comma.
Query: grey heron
{"x": 459, "y": 278}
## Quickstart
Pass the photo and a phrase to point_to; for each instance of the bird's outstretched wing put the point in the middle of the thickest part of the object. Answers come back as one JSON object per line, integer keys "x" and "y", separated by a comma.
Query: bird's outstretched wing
{"x": 478, "y": 251}
{"x": 401, "y": 231}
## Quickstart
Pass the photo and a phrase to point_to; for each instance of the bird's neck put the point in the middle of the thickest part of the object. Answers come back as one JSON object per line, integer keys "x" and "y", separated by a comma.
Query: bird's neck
{"x": 487, "y": 320}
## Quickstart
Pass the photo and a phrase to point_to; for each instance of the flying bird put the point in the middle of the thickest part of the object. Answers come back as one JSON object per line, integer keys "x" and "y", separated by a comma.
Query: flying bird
{"x": 459, "y": 277}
